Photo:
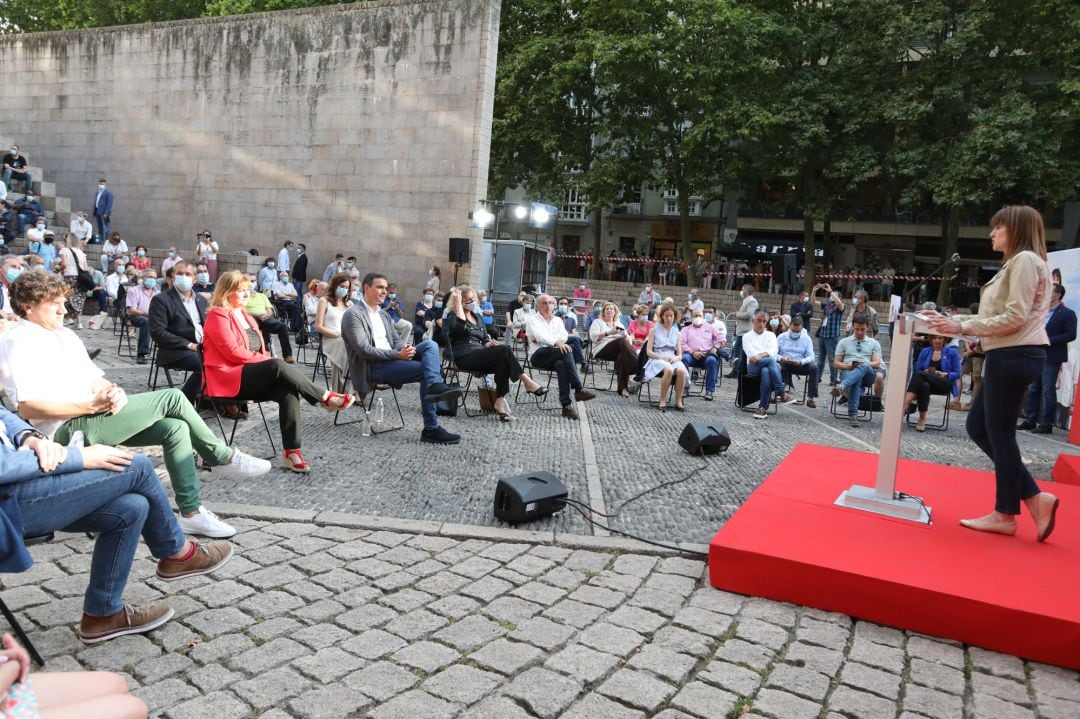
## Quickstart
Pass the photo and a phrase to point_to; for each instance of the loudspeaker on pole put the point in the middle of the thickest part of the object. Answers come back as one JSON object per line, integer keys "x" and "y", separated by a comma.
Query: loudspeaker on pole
{"x": 459, "y": 250}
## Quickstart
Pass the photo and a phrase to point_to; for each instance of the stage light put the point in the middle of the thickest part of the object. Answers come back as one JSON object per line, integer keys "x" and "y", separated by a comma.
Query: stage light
{"x": 483, "y": 218}
{"x": 542, "y": 216}
{"x": 521, "y": 212}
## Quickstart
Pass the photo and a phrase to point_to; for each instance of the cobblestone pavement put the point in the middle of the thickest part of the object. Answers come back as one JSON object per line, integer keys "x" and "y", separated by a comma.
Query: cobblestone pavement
{"x": 331, "y": 615}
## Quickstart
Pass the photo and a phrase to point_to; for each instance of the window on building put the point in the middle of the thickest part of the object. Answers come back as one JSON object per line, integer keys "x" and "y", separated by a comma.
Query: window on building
{"x": 574, "y": 208}
{"x": 671, "y": 203}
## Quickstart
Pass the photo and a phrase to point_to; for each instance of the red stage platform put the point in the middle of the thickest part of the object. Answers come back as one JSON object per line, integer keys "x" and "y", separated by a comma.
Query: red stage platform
{"x": 1067, "y": 468}
{"x": 1011, "y": 594}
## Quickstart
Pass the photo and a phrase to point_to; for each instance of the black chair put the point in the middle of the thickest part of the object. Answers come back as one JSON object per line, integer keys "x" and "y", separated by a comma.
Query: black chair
{"x": 940, "y": 426}
{"x": 452, "y": 375}
{"x": 217, "y": 403}
{"x": 338, "y": 422}
{"x": 156, "y": 369}
{"x": 869, "y": 403}
{"x": 539, "y": 401}
{"x": 125, "y": 333}
{"x": 748, "y": 390}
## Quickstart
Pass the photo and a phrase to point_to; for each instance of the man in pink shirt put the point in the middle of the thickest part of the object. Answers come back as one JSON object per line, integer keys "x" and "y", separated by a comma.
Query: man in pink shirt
{"x": 701, "y": 343}
{"x": 138, "y": 310}
{"x": 583, "y": 294}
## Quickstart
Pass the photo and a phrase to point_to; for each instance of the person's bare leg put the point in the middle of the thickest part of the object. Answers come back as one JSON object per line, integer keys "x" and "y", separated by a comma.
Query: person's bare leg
{"x": 665, "y": 385}
{"x": 85, "y": 695}
{"x": 531, "y": 385}
{"x": 680, "y": 386}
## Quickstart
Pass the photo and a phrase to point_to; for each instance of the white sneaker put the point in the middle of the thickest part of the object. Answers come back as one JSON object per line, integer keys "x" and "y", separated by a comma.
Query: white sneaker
{"x": 242, "y": 465}
{"x": 205, "y": 524}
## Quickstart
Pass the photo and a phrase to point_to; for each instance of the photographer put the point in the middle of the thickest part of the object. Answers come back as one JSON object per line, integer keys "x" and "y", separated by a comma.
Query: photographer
{"x": 828, "y": 333}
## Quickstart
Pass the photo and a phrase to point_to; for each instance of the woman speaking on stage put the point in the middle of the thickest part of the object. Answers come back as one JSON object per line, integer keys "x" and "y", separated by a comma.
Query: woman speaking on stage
{"x": 1012, "y": 325}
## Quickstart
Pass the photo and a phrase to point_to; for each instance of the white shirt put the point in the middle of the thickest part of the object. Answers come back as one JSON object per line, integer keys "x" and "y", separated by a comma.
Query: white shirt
{"x": 721, "y": 327}
{"x": 33, "y": 234}
{"x": 283, "y": 288}
{"x": 283, "y": 260}
{"x": 754, "y": 343}
{"x": 120, "y": 248}
{"x": 378, "y": 329}
{"x": 193, "y": 313}
{"x": 81, "y": 228}
{"x": 112, "y": 284}
{"x": 3, "y": 191}
{"x": 37, "y": 364}
{"x": 544, "y": 333}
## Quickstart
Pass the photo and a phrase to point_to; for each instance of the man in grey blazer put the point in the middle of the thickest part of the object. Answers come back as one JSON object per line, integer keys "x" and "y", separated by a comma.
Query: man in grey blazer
{"x": 378, "y": 355}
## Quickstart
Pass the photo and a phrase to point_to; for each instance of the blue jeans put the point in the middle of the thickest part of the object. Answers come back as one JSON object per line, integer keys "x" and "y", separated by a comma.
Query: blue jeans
{"x": 118, "y": 506}
{"x": 991, "y": 422}
{"x": 1044, "y": 390}
{"x": 562, "y": 363}
{"x": 422, "y": 368}
{"x": 826, "y": 353}
{"x": 578, "y": 350}
{"x": 770, "y": 379}
{"x": 852, "y": 382}
{"x": 26, "y": 178}
{"x": 810, "y": 371}
{"x": 102, "y": 226}
{"x": 710, "y": 362}
{"x": 143, "y": 325}
{"x": 23, "y": 220}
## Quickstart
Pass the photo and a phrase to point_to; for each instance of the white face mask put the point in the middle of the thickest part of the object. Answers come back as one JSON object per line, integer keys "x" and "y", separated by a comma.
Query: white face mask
{"x": 795, "y": 333}
{"x": 698, "y": 321}
{"x": 774, "y": 323}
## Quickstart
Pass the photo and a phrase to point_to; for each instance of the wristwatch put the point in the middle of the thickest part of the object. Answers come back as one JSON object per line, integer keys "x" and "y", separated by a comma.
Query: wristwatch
{"x": 22, "y": 436}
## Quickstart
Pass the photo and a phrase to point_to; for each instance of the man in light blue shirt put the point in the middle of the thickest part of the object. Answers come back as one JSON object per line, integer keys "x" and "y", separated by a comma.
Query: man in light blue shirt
{"x": 797, "y": 357}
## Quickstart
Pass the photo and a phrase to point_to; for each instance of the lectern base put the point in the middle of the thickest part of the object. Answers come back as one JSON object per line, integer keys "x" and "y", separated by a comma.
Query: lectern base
{"x": 865, "y": 498}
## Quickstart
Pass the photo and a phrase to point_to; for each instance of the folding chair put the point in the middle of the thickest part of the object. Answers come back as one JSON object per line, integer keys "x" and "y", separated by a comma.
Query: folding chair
{"x": 10, "y": 616}
{"x": 217, "y": 402}
{"x": 125, "y": 334}
{"x": 940, "y": 426}
{"x": 748, "y": 390}
{"x": 155, "y": 369}
{"x": 869, "y": 403}
{"x": 450, "y": 368}
{"x": 528, "y": 367}
{"x": 338, "y": 422}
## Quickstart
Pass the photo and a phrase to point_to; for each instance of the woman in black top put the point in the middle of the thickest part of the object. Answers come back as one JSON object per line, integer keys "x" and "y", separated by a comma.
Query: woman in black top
{"x": 475, "y": 351}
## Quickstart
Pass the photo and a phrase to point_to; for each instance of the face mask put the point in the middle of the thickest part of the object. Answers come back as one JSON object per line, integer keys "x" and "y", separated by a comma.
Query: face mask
{"x": 642, "y": 318}
{"x": 29, "y": 198}
{"x": 284, "y": 278}
{"x": 392, "y": 295}
{"x": 172, "y": 254}
{"x": 149, "y": 283}
{"x": 428, "y": 298}
{"x": 438, "y": 305}
{"x": 349, "y": 265}
{"x": 581, "y": 287}
{"x": 709, "y": 317}
{"x": 472, "y": 307}
{"x": 690, "y": 297}
{"x": 562, "y": 309}
{"x": 142, "y": 253}
{"x": 271, "y": 265}
{"x": 203, "y": 278}
{"x": 341, "y": 291}
{"x": 11, "y": 274}
{"x": 596, "y": 310}
{"x": 13, "y": 151}
{"x": 698, "y": 321}
{"x": 101, "y": 187}
{"x": 120, "y": 269}
{"x": 40, "y": 227}
{"x": 795, "y": 333}
{"x": 774, "y": 323}
{"x": 526, "y": 307}
{"x": 182, "y": 283}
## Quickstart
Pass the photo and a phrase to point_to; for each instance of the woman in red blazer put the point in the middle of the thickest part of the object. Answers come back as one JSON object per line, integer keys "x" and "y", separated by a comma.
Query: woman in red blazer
{"x": 237, "y": 366}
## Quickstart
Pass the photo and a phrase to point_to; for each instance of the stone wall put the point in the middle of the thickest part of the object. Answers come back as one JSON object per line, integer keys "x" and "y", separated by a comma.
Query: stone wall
{"x": 356, "y": 128}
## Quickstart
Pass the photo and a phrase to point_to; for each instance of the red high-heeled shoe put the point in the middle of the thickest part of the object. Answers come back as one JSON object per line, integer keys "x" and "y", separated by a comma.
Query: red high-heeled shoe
{"x": 335, "y": 402}
{"x": 292, "y": 459}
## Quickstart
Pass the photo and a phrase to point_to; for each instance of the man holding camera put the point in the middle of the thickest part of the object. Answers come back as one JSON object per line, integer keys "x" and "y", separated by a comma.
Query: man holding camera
{"x": 832, "y": 312}
{"x": 858, "y": 358}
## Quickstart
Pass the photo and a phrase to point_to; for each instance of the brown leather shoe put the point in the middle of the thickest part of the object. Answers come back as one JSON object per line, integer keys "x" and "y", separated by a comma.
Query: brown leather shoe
{"x": 290, "y": 360}
{"x": 569, "y": 412}
{"x": 583, "y": 395}
{"x": 232, "y": 411}
{"x": 127, "y": 621}
{"x": 992, "y": 524}
{"x": 208, "y": 557}
{"x": 1043, "y": 508}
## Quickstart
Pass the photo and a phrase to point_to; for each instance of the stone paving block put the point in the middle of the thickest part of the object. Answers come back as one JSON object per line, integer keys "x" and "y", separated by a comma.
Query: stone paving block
{"x": 246, "y": 541}
{"x": 1054, "y": 708}
{"x": 330, "y": 702}
{"x": 504, "y": 551}
{"x": 272, "y": 688}
{"x": 879, "y": 634}
{"x": 415, "y": 624}
{"x": 442, "y": 583}
{"x": 328, "y": 665}
{"x": 373, "y": 644}
{"x": 637, "y": 689}
{"x": 529, "y": 565}
{"x": 882, "y": 656}
{"x": 801, "y": 681}
{"x": 539, "y": 593}
{"x": 1050, "y": 681}
{"x": 388, "y": 539}
{"x": 227, "y": 645}
{"x": 592, "y": 706}
{"x": 552, "y": 552}
{"x": 1004, "y": 689}
{"x": 736, "y": 679}
{"x": 358, "y": 597}
{"x": 406, "y": 600}
{"x": 366, "y": 617}
{"x": 270, "y": 604}
{"x": 623, "y": 583}
{"x": 356, "y": 549}
{"x": 381, "y": 680}
{"x": 371, "y": 568}
{"x": 454, "y": 606}
{"x": 475, "y": 567}
{"x": 611, "y": 639}
{"x": 693, "y": 568}
{"x": 778, "y": 613}
{"x": 784, "y": 705}
{"x": 213, "y": 677}
{"x": 820, "y": 659}
{"x": 544, "y": 692}
{"x": 598, "y": 596}
{"x": 57, "y": 613}
{"x": 685, "y": 641}
{"x": 664, "y": 663}
{"x": 932, "y": 703}
{"x": 506, "y": 657}
{"x": 764, "y": 633}
{"x": 576, "y": 614}
{"x": 427, "y": 568}
{"x": 674, "y": 583}
{"x": 859, "y": 704}
{"x": 222, "y": 593}
{"x": 664, "y": 603}
{"x": 936, "y": 676}
{"x": 542, "y": 632}
{"x": 825, "y": 634}
{"x": 469, "y": 633}
{"x": 583, "y": 664}
{"x": 498, "y": 707}
{"x": 319, "y": 636}
{"x": 156, "y": 669}
{"x": 1002, "y": 665}
{"x": 564, "y": 578}
{"x": 512, "y": 609}
{"x": 462, "y": 684}
{"x": 428, "y": 657}
{"x": 317, "y": 563}
{"x": 290, "y": 530}
{"x": 320, "y": 611}
{"x": 217, "y": 622}
{"x": 67, "y": 586}
{"x": 117, "y": 654}
{"x": 821, "y": 615}
{"x": 415, "y": 704}
{"x": 19, "y": 598}
{"x": 338, "y": 580}
{"x": 219, "y": 704}
{"x": 754, "y": 656}
{"x": 273, "y": 558}
{"x": 934, "y": 651}
{"x": 487, "y": 588}
{"x": 402, "y": 555}
{"x": 308, "y": 591}
{"x": 676, "y": 714}
{"x": 716, "y": 600}
{"x": 703, "y": 621}
{"x": 267, "y": 656}
{"x": 237, "y": 566}
{"x": 166, "y": 693}
{"x": 640, "y": 620}
{"x": 174, "y": 636}
{"x": 704, "y": 701}
{"x": 339, "y": 534}
{"x": 876, "y": 681}
{"x": 394, "y": 581}
{"x": 986, "y": 706}
{"x": 639, "y": 565}
{"x": 429, "y": 543}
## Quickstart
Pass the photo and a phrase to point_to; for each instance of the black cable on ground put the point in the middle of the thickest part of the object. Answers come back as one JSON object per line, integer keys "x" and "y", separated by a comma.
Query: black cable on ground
{"x": 587, "y": 518}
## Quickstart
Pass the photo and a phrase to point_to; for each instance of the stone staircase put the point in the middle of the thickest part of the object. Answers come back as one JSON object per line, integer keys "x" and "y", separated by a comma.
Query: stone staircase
{"x": 57, "y": 208}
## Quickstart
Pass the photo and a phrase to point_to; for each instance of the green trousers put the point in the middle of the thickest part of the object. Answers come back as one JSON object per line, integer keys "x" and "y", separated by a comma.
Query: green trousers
{"x": 163, "y": 418}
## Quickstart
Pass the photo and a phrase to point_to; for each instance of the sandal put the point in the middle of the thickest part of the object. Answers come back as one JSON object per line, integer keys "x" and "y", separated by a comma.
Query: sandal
{"x": 292, "y": 459}
{"x": 335, "y": 402}
{"x": 504, "y": 416}
{"x": 920, "y": 427}
{"x": 538, "y": 392}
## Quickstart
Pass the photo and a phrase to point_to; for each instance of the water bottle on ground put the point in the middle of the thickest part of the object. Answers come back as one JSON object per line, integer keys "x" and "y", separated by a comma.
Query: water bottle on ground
{"x": 379, "y": 412}
{"x": 365, "y": 424}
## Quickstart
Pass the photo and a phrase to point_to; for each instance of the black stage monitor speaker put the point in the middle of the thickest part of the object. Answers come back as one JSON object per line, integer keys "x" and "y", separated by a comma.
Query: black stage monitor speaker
{"x": 706, "y": 437}
{"x": 525, "y": 497}
{"x": 459, "y": 250}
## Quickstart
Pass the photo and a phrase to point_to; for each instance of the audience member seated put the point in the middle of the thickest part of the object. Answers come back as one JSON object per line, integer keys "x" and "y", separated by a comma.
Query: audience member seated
{"x": 99, "y": 293}
{"x": 796, "y": 351}
{"x": 15, "y": 168}
{"x": 50, "y": 487}
{"x": 522, "y": 314}
{"x": 569, "y": 317}
{"x": 693, "y": 302}
{"x": 700, "y": 345}
{"x": 51, "y": 380}
{"x": 238, "y": 368}
{"x": 53, "y": 695}
{"x": 611, "y": 342}
{"x": 858, "y": 357}
{"x": 259, "y": 307}
{"x": 267, "y": 275}
{"x": 761, "y": 350}
{"x": 203, "y": 285}
{"x": 11, "y": 268}
{"x": 285, "y": 300}
{"x": 377, "y": 355}
{"x": 664, "y": 359}
{"x": 717, "y": 322}
{"x": 936, "y": 372}
{"x": 177, "y": 316}
{"x": 138, "y": 308}
{"x": 393, "y": 307}
{"x": 28, "y": 211}
{"x": 7, "y": 222}
{"x": 171, "y": 258}
{"x": 316, "y": 288}
{"x": 424, "y": 316}
{"x": 474, "y": 350}
{"x": 141, "y": 261}
{"x": 112, "y": 250}
{"x": 487, "y": 310}
{"x": 332, "y": 307}
{"x": 550, "y": 349}
{"x": 582, "y": 294}
{"x": 592, "y": 314}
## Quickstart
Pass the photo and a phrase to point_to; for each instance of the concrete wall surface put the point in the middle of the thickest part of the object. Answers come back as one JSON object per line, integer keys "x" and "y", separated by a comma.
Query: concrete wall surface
{"x": 358, "y": 128}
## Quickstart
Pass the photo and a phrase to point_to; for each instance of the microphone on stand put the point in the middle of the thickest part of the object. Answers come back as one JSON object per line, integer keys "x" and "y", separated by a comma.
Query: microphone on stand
{"x": 918, "y": 288}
